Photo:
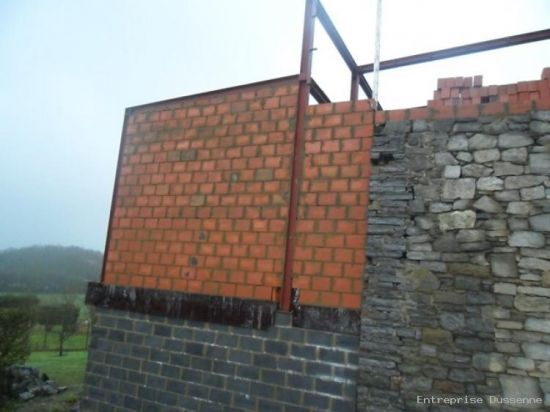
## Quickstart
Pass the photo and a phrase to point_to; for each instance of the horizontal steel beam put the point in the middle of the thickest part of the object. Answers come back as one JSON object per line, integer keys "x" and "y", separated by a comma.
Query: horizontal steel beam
{"x": 459, "y": 51}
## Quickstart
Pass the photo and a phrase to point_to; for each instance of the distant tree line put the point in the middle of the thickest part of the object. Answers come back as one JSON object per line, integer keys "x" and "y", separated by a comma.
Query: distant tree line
{"x": 48, "y": 269}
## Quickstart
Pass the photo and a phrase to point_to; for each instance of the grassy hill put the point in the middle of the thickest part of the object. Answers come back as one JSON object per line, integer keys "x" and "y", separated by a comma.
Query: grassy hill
{"x": 48, "y": 269}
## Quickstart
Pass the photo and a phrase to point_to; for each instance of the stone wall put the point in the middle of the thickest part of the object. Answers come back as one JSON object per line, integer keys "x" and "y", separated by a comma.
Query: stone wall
{"x": 458, "y": 294}
{"x": 142, "y": 362}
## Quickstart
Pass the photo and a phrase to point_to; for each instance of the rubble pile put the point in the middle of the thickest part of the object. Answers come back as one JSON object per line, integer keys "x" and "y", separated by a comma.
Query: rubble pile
{"x": 25, "y": 382}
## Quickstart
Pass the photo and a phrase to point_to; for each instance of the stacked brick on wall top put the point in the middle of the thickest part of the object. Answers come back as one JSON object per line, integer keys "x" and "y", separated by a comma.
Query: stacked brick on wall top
{"x": 202, "y": 197}
{"x": 458, "y": 294}
{"x": 456, "y": 91}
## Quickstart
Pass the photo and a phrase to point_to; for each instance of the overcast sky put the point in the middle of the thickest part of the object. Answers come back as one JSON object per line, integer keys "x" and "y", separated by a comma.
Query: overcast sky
{"x": 68, "y": 68}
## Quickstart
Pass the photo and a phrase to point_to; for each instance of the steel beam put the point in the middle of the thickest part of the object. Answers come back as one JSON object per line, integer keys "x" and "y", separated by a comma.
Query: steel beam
{"x": 459, "y": 50}
{"x": 318, "y": 93}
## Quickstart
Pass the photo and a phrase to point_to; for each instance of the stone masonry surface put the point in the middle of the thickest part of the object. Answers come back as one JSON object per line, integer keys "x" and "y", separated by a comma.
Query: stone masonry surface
{"x": 148, "y": 363}
{"x": 457, "y": 299}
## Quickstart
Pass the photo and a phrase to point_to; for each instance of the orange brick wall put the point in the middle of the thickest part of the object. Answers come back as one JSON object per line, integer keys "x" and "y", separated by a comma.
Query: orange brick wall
{"x": 330, "y": 257}
{"x": 202, "y": 197}
{"x": 201, "y": 201}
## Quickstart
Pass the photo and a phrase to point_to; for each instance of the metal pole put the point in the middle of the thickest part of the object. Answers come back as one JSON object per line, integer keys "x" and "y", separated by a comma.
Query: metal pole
{"x": 354, "y": 86}
{"x": 297, "y": 157}
{"x": 375, "y": 81}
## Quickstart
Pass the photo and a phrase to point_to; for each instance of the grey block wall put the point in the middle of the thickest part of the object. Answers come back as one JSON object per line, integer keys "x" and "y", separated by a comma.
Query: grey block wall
{"x": 149, "y": 363}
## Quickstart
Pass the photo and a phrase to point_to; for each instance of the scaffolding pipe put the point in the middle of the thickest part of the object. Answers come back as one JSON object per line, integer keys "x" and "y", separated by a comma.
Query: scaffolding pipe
{"x": 375, "y": 81}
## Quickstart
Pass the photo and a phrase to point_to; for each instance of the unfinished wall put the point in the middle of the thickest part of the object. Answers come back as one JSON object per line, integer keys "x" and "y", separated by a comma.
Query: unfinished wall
{"x": 187, "y": 308}
{"x": 202, "y": 196}
{"x": 202, "y": 199}
{"x": 456, "y": 299}
{"x": 458, "y": 295}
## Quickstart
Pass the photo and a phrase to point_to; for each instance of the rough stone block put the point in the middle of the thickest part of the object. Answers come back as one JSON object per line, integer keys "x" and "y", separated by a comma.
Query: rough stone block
{"x": 537, "y": 325}
{"x": 492, "y": 362}
{"x": 457, "y": 143}
{"x": 487, "y": 204}
{"x": 457, "y": 220}
{"x": 509, "y": 324}
{"x": 458, "y": 189}
{"x": 507, "y": 195}
{"x": 514, "y": 139}
{"x": 481, "y": 141}
{"x": 470, "y": 235}
{"x": 452, "y": 321}
{"x": 451, "y": 172}
{"x": 532, "y": 303}
{"x": 465, "y": 156}
{"x": 421, "y": 278}
{"x": 533, "y": 193}
{"x": 519, "y": 386}
{"x": 526, "y": 239}
{"x": 445, "y": 158}
{"x": 505, "y": 288}
{"x": 489, "y": 155}
{"x": 540, "y": 223}
{"x": 517, "y": 155}
{"x": 537, "y": 351}
{"x": 507, "y": 169}
{"x": 519, "y": 208}
{"x": 539, "y": 127}
{"x": 521, "y": 363}
{"x": 466, "y": 375}
{"x": 532, "y": 290}
{"x": 468, "y": 269}
{"x": 534, "y": 264}
{"x": 518, "y": 182}
{"x": 438, "y": 337}
{"x": 490, "y": 183}
{"x": 475, "y": 170}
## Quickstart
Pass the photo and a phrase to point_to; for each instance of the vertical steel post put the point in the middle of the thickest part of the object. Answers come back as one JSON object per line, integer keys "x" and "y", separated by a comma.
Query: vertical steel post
{"x": 298, "y": 153}
{"x": 354, "y": 94}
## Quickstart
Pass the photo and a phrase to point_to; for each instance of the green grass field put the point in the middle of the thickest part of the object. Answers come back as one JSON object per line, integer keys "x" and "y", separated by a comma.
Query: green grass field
{"x": 66, "y": 370}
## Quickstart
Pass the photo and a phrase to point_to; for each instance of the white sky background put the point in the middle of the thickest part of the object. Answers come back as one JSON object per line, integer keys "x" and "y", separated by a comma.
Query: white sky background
{"x": 68, "y": 68}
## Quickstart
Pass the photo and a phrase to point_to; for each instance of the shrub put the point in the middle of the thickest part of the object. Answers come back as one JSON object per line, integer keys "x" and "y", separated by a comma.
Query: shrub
{"x": 16, "y": 322}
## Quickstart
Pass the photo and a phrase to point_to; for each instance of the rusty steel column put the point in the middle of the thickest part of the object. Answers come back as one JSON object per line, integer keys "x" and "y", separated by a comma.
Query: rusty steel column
{"x": 297, "y": 158}
{"x": 354, "y": 93}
